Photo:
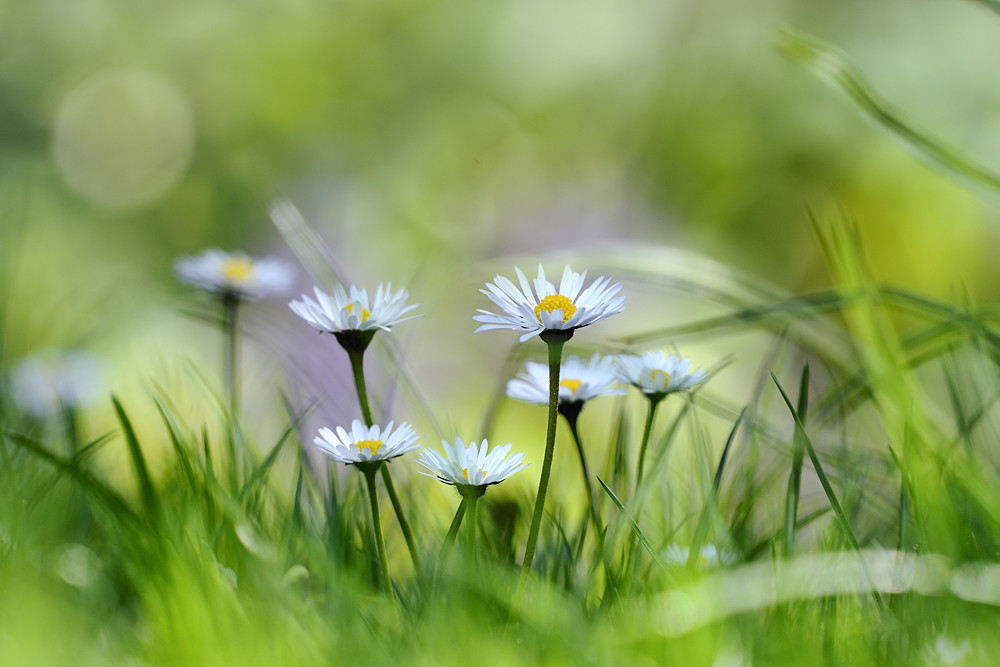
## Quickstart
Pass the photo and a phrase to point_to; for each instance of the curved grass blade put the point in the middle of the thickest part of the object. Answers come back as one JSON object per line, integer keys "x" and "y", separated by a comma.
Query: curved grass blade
{"x": 826, "y": 61}
{"x": 795, "y": 477}
{"x": 701, "y": 531}
{"x": 150, "y": 500}
{"x": 104, "y": 494}
{"x": 838, "y": 510}
{"x": 175, "y": 440}
{"x": 635, "y": 526}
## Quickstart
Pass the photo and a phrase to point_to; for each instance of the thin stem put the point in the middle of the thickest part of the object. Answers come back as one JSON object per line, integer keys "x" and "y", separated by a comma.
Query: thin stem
{"x": 404, "y": 525}
{"x": 358, "y": 368}
{"x": 635, "y": 553}
{"x": 555, "y": 344}
{"x": 572, "y": 417}
{"x": 473, "y": 527}
{"x": 230, "y": 330}
{"x": 377, "y": 529}
{"x": 449, "y": 539}
{"x": 571, "y": 421}
{"x": 654, "y": 401}
{"x": 356, "y": 353}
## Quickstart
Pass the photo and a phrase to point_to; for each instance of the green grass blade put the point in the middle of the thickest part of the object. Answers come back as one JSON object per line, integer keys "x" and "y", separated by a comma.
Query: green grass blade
{"x": 259, "y": 474}
{"x": 104, "y": 494}
{"x": 635, "y": 525}
{"x": 175, "y": 440}
{"x": 795, "y": 477}
{"x": 150, "y": 500}
{"x": 701, "y": 531}
{"x": 831, "y": 495}
{"x": 826, "y": 61}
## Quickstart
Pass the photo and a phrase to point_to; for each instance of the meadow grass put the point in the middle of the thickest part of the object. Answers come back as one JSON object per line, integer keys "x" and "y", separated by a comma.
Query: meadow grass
{"x": 847, "y": 513}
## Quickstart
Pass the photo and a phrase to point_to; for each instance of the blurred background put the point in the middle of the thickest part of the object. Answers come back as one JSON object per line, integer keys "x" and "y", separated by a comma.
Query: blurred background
{"x": 434, "y": 143}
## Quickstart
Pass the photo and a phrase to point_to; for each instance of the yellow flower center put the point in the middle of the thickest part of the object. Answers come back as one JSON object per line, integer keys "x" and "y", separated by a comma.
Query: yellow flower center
{"x": 370, "y": 444}
{"x": 572, "y": 385}
{"x": 556, "y": 302}
{"x": 465, "y": 472}
{"x": 237, "y": 269}
{"x": 365, "y": 313}
{"x": 656, "y": 372}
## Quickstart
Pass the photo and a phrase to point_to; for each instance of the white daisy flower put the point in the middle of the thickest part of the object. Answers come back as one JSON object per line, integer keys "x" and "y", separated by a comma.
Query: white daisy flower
{"x": 709, "y": 556}
{"x": 353, "y": 311}
{"x": 579, "y": 380}
{"x": 946, "y": 652}
{"x": 472, "y": 465}
{"x": 235, "y": 274}
{"x": 51, "y": 379}
{"x": 363, "y": 443}
{"x": 547, "y": 308}
{"x": 656, "y": 373}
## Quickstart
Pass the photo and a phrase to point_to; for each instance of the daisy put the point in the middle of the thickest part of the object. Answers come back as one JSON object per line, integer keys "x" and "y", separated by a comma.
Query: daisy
{"x": 472, "y": 465}
{"x": 365, "y": 444}
{"x": 709, "y": 556}
{"x": 353, "y": 311}
{"x": 45, "y": 382}
{"x": 656, "y": 374}
{"x": 547, "y": 308}
{"x": 235, "y": 274}
{"x": 579, "y": 381}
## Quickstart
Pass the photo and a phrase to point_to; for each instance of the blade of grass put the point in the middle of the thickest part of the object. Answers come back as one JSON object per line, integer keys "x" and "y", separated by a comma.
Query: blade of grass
{"x": 635, "y": 525}
{"x": 831, "y": 495}
{"x": 795, "y": 477}
{"x": 147, "y": 491}
{"x": 826, "y": 61}
{"x": 175, "y": 441}
{"x": 104, "y": 494}
{"x": 701, "y": 531}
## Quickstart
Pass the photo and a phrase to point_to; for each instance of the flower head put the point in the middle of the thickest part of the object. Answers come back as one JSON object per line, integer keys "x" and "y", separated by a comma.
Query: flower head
{"x": 235, "y": 274}
{"x": 366, "y": 443}
{"x": 472, "y": 465}
{"x": 48, "y": 380}
{"x": 353, "y": 311}
{"x": 547, "y": 308}
{"x": 709, "y": 556}
{"x": 579, "y": 381}
{"x": 656, "y": 374}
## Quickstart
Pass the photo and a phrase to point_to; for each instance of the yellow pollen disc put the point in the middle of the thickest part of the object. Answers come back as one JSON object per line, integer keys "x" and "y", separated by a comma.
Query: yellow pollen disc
{"x": 465, "y": 471}
{"x": 237, "y": 268}
{"x": 556, "y": 302}
{"x": 370, "y": 444}
{"x": 365, "y": 313}
{"x": 656, "y": 372}
{"x": 572, "y": 385}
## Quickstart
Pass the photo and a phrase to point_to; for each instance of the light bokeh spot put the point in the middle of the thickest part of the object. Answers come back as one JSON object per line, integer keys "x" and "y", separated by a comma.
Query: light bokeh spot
{"x": 123, "y": 138}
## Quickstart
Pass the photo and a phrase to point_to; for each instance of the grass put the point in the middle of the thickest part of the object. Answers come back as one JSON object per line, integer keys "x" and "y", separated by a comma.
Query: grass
{"x": 860, "y": 515}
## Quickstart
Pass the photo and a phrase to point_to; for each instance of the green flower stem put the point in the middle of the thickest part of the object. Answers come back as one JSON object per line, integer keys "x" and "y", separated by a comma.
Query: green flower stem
{"x": 571, "y": 412}
{"x": 473, "y": 527}
{"x": 358, "y": 368}
{"x": 404, "y": 525}
{"x": 654, "y": 401}
{"x": 634, "y": 553}
{"x": 355, "y": 343}
{"x": 449, "y": 539}
{"x": 555, "y": 339}
{"x": 231, "y": 331}
{"x": 369, "y": 471}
